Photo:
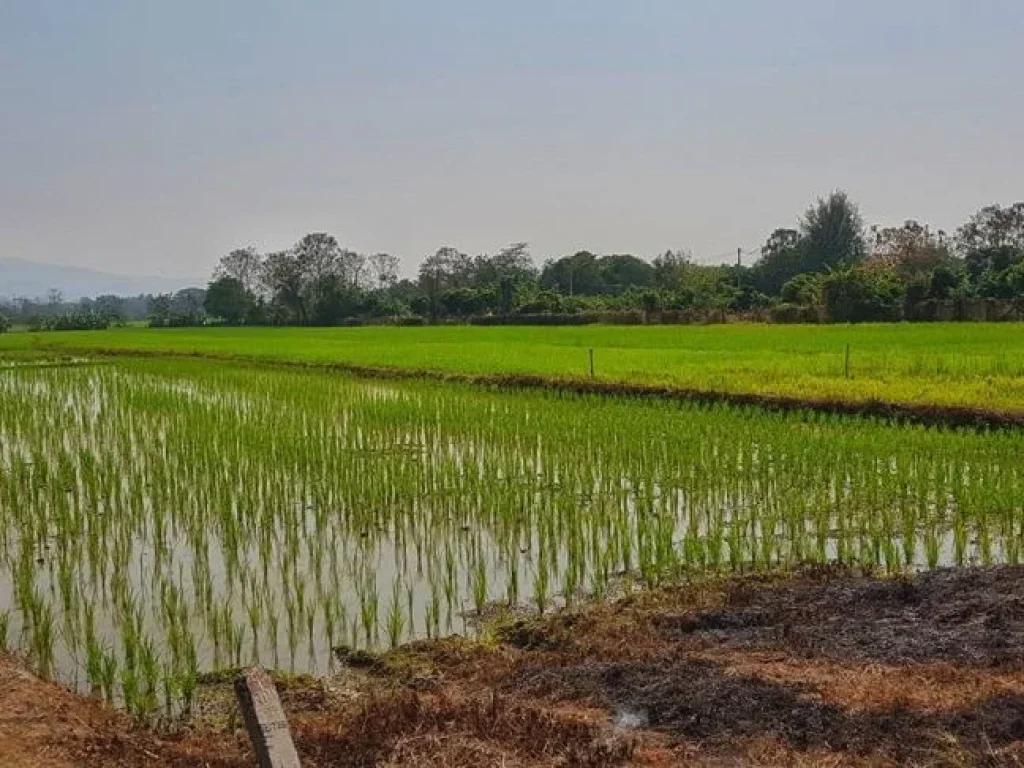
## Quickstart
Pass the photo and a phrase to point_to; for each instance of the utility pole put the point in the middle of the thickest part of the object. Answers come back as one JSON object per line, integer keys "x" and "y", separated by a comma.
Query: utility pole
{"x": 739, "y": 257}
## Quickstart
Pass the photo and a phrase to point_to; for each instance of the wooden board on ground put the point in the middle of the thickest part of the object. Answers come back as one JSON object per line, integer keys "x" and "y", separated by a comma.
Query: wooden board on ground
{"x": 265, "y": 720}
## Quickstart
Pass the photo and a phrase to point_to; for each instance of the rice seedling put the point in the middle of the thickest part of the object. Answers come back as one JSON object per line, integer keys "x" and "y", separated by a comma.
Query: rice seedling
{"x": 5, "y": 623}
{"x": 160, "y": 519}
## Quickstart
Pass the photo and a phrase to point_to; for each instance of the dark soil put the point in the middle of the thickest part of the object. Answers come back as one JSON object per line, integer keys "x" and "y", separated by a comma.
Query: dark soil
{"x": 704, "y": 701}
{"x": 963, "y": 616}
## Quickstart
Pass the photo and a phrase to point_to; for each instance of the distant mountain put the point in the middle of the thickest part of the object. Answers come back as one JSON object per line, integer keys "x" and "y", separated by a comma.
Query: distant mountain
{"x": 25, "y": 278}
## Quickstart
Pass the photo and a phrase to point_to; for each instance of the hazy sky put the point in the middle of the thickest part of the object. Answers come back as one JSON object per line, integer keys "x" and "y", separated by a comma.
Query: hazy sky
{"x": 151, "y": 137}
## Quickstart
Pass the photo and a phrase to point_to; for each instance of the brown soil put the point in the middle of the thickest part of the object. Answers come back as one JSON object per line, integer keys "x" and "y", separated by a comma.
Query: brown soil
{"x": 818, "y": 667}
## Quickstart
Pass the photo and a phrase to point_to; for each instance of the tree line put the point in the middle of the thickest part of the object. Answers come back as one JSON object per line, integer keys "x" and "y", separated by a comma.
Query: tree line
{"x": 830, "y": 267}
{"x": 54, "y": 313}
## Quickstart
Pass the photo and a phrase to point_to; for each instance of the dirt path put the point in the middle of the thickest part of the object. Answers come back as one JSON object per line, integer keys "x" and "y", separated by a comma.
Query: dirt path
{"x": 822, "y": 667}
{"x": 46, "y": 725}
{"x": 43, "y": 724}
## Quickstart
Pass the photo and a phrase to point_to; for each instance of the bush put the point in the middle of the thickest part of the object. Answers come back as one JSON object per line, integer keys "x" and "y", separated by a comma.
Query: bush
{"x": 803, "y": 290}
{"x": 793, "y": 313}
{"x": 544, "y": 302}
{"x": 5, "y": 324}
{"x": 178, "y": 320}
{"x": 73, "y": 321}
{"x": 406, "y": 320}
{"x": 861, "y": 295}
{"x": 632, "y": 317}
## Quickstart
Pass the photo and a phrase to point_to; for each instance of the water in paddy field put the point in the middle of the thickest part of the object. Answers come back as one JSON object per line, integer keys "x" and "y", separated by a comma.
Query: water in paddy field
{"x": 161, "y": 520}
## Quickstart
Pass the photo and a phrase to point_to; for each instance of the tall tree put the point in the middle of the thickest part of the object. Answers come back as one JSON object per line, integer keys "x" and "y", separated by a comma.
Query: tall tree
{"x": 912, "y": 251}
{"x": 782, "y": 259}
{"x": 993, "y": 227}
{"x": 352, "y": 270}
{"x": 316, "y": 256}
{"x": 668, "y": 268}
{"x": 227, "y": 299}
{"x": 622, "y": 271}
{"x": 282, "y": 279}
{"x": 188, "y": 301}
{"x": 992, "y": 245}
{"x": 833, "y": 234}
{"x": 501, "y": 276}
{"x": 383, "y": 269}
{"x": 779, "y": 241}
{"x": 572, "y": 275}
{"x": 515, "y": 263}
{"x": 160, "y": 309}
{"x": 110, "y": 306}
{"x": 244, "y": 265}
{"x": 446, "y": 269}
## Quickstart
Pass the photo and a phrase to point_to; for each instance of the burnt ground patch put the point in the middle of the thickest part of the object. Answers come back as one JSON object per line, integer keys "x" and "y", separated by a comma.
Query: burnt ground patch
{"x": 707, "y": 703}
{"x": 826, "y": 661}
{"x": 968, "y": 616}
{"x": 408, "y": 729}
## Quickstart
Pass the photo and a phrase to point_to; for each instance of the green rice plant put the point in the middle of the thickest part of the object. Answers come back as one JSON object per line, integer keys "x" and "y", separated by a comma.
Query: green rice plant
{"x": 130, "y": 693}
{"x": 108, "y": 676}
{"x": 5, "y": 626}
{"x": 396, "y": 618}
{"x": 368, "y": 611}
{"x": 540, "y": 587}
{"x": 479, "y": 585}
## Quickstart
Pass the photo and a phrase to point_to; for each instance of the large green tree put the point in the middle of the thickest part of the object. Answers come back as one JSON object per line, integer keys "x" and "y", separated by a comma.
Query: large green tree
{"x": 282, "y": 280}
{"x": 622, "y": 271}
{"x": 993, "y": 227}
{"x": 227, "y": 298}
{"x": 578, "y": 274}
{"x": 244, "y": 265}
{"x": 832, "y": 234}
{"x": 782, "y": 259}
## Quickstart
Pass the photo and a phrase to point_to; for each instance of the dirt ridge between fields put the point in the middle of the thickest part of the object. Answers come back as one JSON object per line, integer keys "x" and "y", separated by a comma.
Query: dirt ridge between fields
{"x": 935, "y": 415}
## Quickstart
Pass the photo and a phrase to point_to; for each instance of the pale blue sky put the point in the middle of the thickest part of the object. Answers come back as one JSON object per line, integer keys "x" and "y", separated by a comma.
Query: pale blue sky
{"x": 148, "y": 137}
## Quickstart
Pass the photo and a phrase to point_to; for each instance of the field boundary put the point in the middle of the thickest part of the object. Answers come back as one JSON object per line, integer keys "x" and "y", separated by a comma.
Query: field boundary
{"x": 908, "y": 413}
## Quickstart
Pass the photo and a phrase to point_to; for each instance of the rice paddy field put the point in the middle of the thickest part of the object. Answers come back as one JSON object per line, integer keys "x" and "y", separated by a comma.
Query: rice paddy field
{"x": 164, "y": 519}
{"x": 966, "y": 365}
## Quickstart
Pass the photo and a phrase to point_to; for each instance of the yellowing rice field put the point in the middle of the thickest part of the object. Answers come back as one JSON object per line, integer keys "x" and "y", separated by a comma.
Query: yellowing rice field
{"x": 977, "y": 366}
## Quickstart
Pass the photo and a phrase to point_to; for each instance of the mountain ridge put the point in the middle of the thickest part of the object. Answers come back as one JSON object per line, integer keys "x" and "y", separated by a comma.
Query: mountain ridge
{"x": 34, "y": 280}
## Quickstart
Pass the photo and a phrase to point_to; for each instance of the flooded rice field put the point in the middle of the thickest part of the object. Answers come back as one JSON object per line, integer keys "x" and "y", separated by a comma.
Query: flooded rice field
{"x": 163, "y": 520}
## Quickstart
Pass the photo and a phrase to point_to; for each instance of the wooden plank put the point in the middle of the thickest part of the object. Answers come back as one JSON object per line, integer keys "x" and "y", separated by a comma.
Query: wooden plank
{"x": 265, "y": 720}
